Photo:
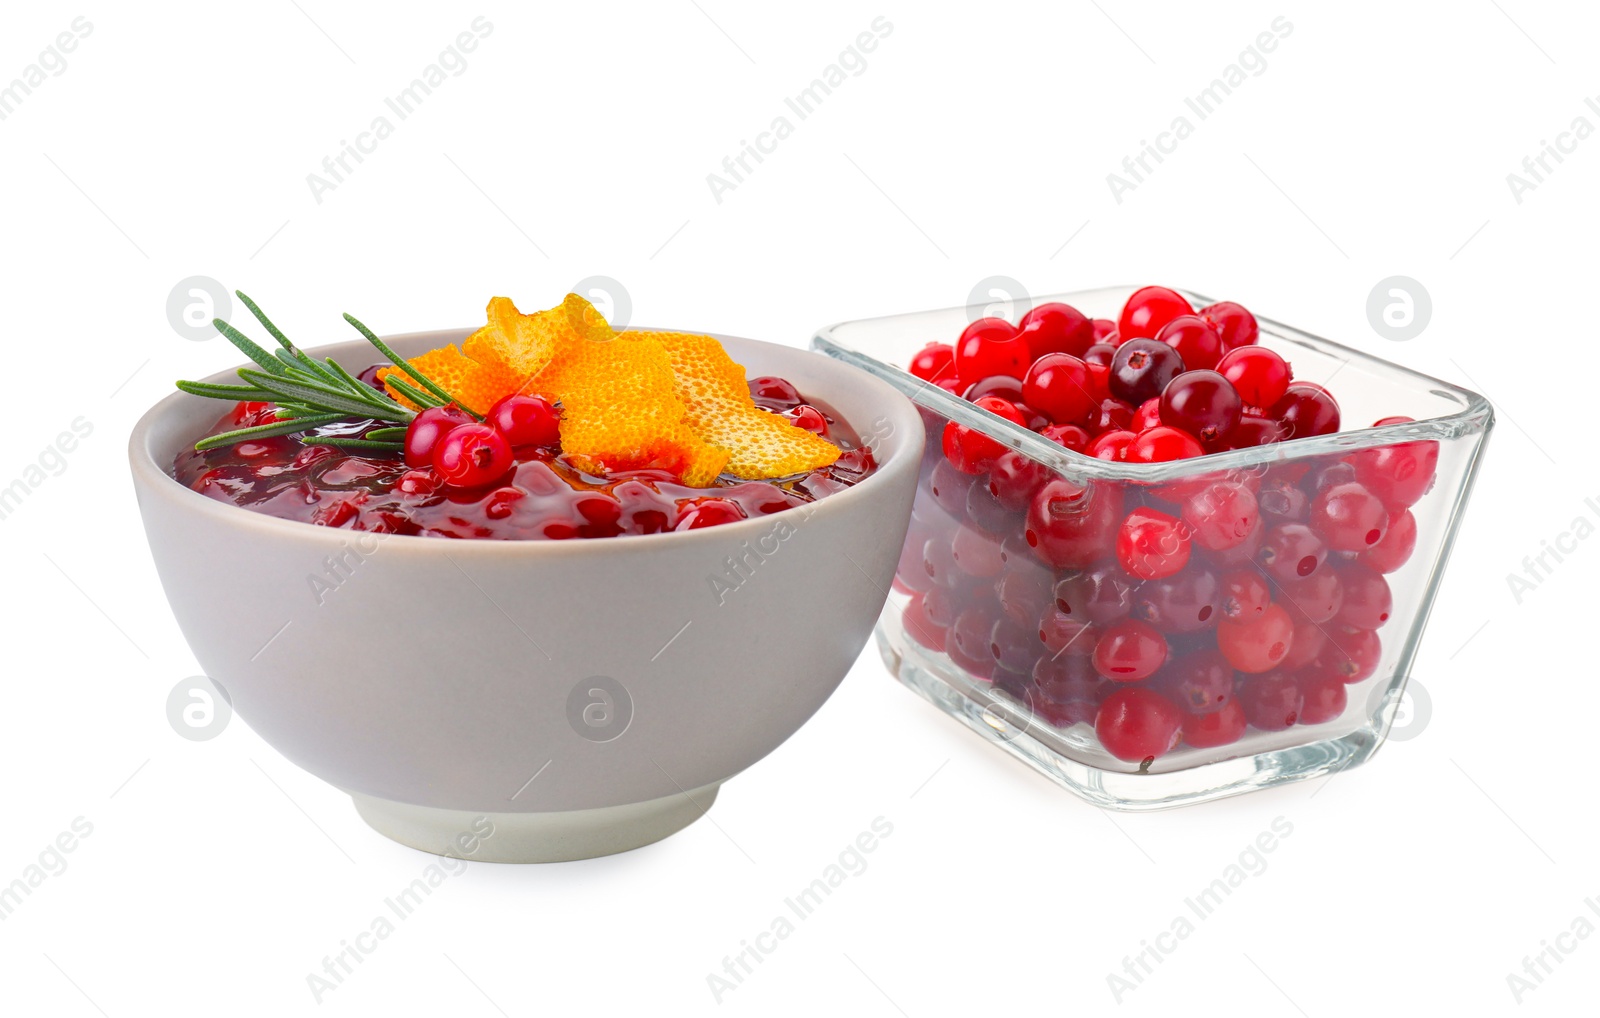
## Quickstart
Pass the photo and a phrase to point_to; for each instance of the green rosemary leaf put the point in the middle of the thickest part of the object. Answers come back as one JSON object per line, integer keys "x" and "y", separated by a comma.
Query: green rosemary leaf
{"x": 352, "y": 443}
{"x": 405, "y": 365}
{"x": 411, "y": 392}
{"x": 295, "y": 357}
{"x": 287, "y": 411}
{"x": 248, "y": 347}
{"x": 214, "y": 390}
{"x": 266, "y": 322}
{"x": 353, "y": 383}
{"x": 265, "y": 431}
{"x": 320, "y": 396}
{"x": 386, "y": 434}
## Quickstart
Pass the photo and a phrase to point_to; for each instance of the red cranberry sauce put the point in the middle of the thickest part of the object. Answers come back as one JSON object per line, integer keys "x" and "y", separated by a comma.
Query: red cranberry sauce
{"x": 541, "y": 496}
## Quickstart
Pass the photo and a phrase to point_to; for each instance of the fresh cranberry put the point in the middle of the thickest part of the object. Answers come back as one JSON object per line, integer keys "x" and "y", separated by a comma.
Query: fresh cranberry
{"x": 1111, "y": 445}
{"x": 1151, "y": 544}
{"x": 1282, "y": 501}
{"x": 428, "y": 428}
{"x": 780, "y": 392}
{"x": 1244, "y": 595}
{"x": 1367, "y": 599}
{"x": 1233, "y": 322}
{"x": 1203, "y": 403}
{"x": 1315, "y": 598}
{"x": 1221, "y": 727}
{"x": 972, "y": 451}
{"x": 1100, "y": 353}
{"x": 1183, "y": 603}
{"x": 1221, "y": 515}
{"x": 1196, "y": 341}
{"x": 1147, "y": 416}
{"x": 1138, "y": 725}
{"x": 1162, "y": 444}
{"x": 1056, "y": 328}
{"x": 1252, "y": 431}
{"x": 1015, "y": 647}
{"x": 939, "y": 562}
{"x": 1309, "y": 640}
{"x": 1398, "y": 474}
{"x": 1099, "y": 382}
{"x": 1111, "y": 415}
{"x": 990, "y": 346}
{"x": 1321, "y": 478}
{"x": 1148, "y": 310}
{"x": 1306, "y": 410}
{"x": 1291, "y": 551}
{"x": 1260, "y": 375}
{"x": 931, "y": 361}
{"x": 977, "y": 554}
{"x": 1129, "y": 651}
{"x": 985, "y": 512}
{"x": 914, "y": 619}
{"x": 1102, "y": 594}
{"x": 1348, "y": 517}
{"x": 527, "y": 421}
{"x": 1200, "y": 682}
{"x": 1070, "y": 524}
{"x": 1395, "y": 547}
{"x": 972, "y": 635}
{"x": 1257, "y": 646}
{"x": 948, "y": 484}
{"x": 1142, "y": 368}
{"x": 1068, "y": 436}
{"x": 808, "y": 417}
{"x": 472, "y": 455}
{"x": 1352, "y": 654}
{"x": 1271, "y": 701}
{"x": 1003, "y": 386}
{"x": 417, "y": 482}
{"x": 1323, "y": 698}
{"x": 1013, "y": 478}
{"x": 950, "y": 383}
{"x": 1023, "y": 594}
{"x": 1058, "y": 385}
{"x": 1065, "y": 634}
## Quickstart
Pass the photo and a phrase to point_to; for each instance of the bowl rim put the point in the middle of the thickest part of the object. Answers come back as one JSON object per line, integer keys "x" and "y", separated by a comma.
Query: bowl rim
{"x": 152, "y": 476}
{"x": 1476, "y": 415}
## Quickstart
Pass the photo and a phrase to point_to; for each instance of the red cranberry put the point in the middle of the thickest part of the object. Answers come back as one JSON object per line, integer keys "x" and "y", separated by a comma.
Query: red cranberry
{"x": 808, "y": 417}
{"x": 1352, "y": 654}
{"x": 1003, "y": 386}
{"x": 1306, "y": 410}
{"x": 527, "y": 421}
{"x": 1056, "y": 328}
{"x": 1147, "y": 416}
{"x": 1200, "y": 682}
{"x": 1253, "y": 431}
{"x": 779, "y": 391}
{"x": 1221, "y": 515}
{"x": 1271, "y": 701}
{"x": 1068, "y": 436}
{"x": 1141, "y": 368}
{"x": 1100, "y": 353}
{"x": 948, "y": 484}
{"x": 501, "y": 501}
{"x": 1260, "y": 375}
{"x": 1184, "y": 603}
{"x": 939, "y": 562}
{"x": 1058, "y": 385}
{"x": 1244, "y": 596}
{"x": 1257, "y": 646}
{"x": 972, "y": 635}
{"x": 1111, "y": 415}
{"x": 1148, "y": 310}
{"x": 1137, "y": 725}
{"x": 1395, "y": 547}
{"x": 1323, "y": 698}
{"x": 985, "y": 512}
{"x": 1105, "y": 330}
{"x": 1069, "y": 524}
{"x": 1309, "y": 640}
{"x": 426, "y": 430}
{"x": 1236, "y": 325}
{"x": 1013, "y": 478}
{"x": 1064, "y": 634}
{"x": 1129, "y": 651}
{"x": 708, "y": 512}
{"x": 1151, "y": 544}
{"x": 972, "y": 451}
{"x": 990, "y": 346}
{"x": 914, "y": 619}
{"x": 1102, "y": 594}
{"x": 1023, "y": 594}
{"x": 1221, "y": 727}
{"x": 1291, "y": 551}
{"x": 1196, "y": 342}
{"x": 472, "y": 455}
{"x": 1367, "y": 600}
{"x": 929, "y": 363}
{"x": 1162, "y": 444}
{"x": 417, "y": 482}
{"x": 1348, "y": 517}
{"x": 1111, "y": 445}
{"x": 1203, "y": 403}
{"x": 1015, "y": 647}
{"x": 977, "y": 554}
{"x": 1315, "y": 598}
{"x": 1282, "y": 501}
{"x": 1398, "y": 474}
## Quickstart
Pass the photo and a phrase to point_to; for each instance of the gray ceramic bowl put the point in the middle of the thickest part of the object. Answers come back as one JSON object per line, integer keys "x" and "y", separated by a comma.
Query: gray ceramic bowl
{"x": 577, "y": 698}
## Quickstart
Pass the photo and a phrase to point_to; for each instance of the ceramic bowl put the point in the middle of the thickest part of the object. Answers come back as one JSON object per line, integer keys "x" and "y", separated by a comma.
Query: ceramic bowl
{"x": 584, "y": 697}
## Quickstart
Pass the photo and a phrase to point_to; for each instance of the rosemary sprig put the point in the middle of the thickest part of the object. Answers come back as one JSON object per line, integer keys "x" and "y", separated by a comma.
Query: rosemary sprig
{"x": 309, "y": 394}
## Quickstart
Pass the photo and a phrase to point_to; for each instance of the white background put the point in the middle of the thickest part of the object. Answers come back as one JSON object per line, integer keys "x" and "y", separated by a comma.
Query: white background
{"x": 577, "y": 142}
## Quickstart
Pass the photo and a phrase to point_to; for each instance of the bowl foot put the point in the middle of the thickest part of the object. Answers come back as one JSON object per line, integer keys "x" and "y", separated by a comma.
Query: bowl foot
{"x": 535, "y": 837}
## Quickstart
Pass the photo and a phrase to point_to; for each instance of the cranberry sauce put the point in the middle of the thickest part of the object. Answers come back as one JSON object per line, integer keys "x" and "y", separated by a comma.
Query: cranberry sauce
{"x": 541, "y": 497}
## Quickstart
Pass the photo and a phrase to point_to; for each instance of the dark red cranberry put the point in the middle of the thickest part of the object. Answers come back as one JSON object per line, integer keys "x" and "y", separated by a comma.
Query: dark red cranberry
{"x": 1271, "y": 701}
{"x": 1187, "y": 602}
{"x": 1291, "y": 551}
{"x": 1323, "y": 698}
{"x": 1200, "y": 682}
{"x": 1142, "y": 368}
{"x": 1064, "y": 634}
{"x": 1102, "y": 594}
{"x": 1352, "y": 654}
{"x": 1023, "y": 594}
{"x": 985, "y": 512}
{"x": 1202, "y": 403}
{"x": 1306, "y": 410}
{"x": 948, "y": 485}
{"x": 1252, "y": 431}
{"x": 1129, "y": 651}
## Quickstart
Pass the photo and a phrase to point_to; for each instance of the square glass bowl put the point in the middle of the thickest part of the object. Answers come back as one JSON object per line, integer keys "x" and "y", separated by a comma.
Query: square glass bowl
{"x": 986, "y": 627}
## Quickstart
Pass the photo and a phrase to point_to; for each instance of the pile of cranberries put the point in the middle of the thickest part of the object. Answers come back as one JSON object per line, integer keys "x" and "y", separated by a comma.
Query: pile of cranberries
{"x": 500, "y": 478}
{"x": 1160, "y": 613}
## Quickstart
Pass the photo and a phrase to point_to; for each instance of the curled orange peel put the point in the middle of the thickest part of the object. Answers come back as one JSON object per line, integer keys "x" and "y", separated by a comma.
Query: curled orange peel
{"x": 639, "y": 400}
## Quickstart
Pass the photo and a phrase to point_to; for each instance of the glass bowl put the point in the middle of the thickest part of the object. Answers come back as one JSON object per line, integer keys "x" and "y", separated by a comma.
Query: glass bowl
{"x": 995, "y": 614}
